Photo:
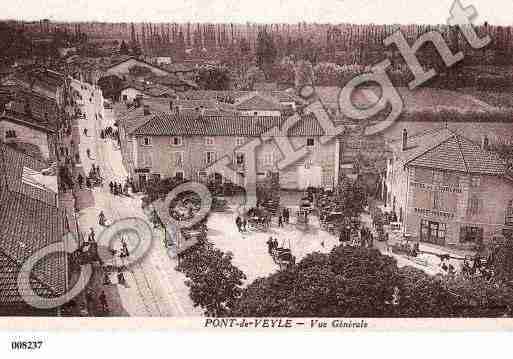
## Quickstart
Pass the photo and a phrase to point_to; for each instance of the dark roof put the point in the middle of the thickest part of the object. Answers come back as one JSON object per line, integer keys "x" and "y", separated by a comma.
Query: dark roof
{"x": 151, "y": 90}
{"x": 447, "y": 150}
{"x": 27, "y": 120}
{"x": 258, "y": 102}
{"x": 28, "y": 223}
{"x": 166, "y": 124}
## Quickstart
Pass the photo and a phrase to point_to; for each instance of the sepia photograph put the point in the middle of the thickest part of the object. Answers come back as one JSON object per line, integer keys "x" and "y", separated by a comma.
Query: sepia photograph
{"x": 280, "y": 165}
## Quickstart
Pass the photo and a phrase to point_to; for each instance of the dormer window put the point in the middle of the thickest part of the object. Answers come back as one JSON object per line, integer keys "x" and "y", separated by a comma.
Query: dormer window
{"x": 310, "y": 142}
{"x": 147, "y": 141}
{"x": 209, "y": 141}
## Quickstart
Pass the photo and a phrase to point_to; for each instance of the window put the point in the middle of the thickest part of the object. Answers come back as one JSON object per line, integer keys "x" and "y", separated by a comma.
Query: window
{"x": 209, "y": 141}
{"x": 179, "y": 175}
{"x": 509, "y": 213}
{"x": 124, "y": 98}
{"x": 177, "y": 159}
{"x": 147, "y": 141}
{"x": 239, "y": 158}
{"x": 268, "y": 159}
{"x": 436, "y": 201}
{"x": 176, "y": 141}
{"x": 310, "y": 142}
{"x": 255, "y": 113}
{"x": 438, "y": 177}
{"x": 156, "y": 177}
{"x": 146, "y": 159}
{"x": 471, "y": 234}
{"x": 10, "y": 134}
{"x": 473, "y": 205}
{"x": 475, "y": 181}
{"x": 210, "y": 157}
{"x": 240, "y": 141}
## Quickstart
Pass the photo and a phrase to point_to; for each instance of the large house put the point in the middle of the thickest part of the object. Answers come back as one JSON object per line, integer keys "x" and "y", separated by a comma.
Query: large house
{"x": 30, "y": 220}
{"x": 170, "y": 144}
{"x": 447, "y": 189}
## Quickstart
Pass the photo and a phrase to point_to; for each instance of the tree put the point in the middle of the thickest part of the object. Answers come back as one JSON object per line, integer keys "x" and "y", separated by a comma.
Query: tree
{"x": 214, "y": 282}
{"x": 503, "y": 261}
{"x": 303, "y": 74}
{"x": 250, "y": 78}
{"x": 123, "y": 48}
{"x": 265, "y": 51}
{"x": 348, "y": 282}
{"x": 214, "y": 78}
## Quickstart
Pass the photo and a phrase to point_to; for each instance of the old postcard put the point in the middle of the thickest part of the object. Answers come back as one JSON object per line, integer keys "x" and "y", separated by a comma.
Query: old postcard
{"x": 280, "y": 165}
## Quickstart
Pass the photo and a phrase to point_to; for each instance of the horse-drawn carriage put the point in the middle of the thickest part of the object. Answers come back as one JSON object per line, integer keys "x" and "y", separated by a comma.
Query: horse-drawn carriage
{"x": 331, "y": 220}
{"x": 219, "y": 204}
{"x": 258, "y": 219}
{"x": 283, "y": 256}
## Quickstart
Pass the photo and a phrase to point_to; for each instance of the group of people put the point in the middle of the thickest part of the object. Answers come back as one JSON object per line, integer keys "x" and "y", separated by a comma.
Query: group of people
{"x": 241, "y": 223}
{"x": 272, "y": 245}
{"x": 283, "y": 217}
{"x": 109, "y": 132}
{"x": 118, "y": 189}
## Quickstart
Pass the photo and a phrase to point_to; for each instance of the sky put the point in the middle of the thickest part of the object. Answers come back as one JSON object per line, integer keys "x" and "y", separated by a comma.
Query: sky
{"x": 497, "y": 12}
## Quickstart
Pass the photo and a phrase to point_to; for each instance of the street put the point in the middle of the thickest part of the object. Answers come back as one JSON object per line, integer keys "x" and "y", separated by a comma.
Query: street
{"x": 153, "y": 287}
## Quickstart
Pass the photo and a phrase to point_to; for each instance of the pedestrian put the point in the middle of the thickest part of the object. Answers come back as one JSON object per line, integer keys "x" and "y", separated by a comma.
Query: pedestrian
{"x": 85, "y": 131}
{"x": 120, "y": 190}
{"x": 80, "y": 180}
{"x": 111, "y": 186}
{"x": 101, "y": 219}
{"x": 91, "y": 236}
{"x": 103, "y": 301}
{"x": 88, "y": 183}
{"x": 270, "y": 244}
{"x": 125, "y": 248}
{"x": 280, "y": 221}
{"x": 88, "y": 152}
{"x": 244, "y": 224}
{"x": 238, "y": 223}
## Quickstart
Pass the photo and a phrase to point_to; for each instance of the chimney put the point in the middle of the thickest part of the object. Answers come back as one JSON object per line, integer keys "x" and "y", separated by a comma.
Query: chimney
{"x": 405, "y": 140}
{"x": 146, "y": 110}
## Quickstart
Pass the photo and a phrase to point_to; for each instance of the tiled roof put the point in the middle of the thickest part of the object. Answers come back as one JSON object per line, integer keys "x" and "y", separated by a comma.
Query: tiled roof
{"x": 447, "y": 150}
{"x": 151, "y": 90}
{"x": 26, "y": 226}
{"x": 29, "y": 221}
{"x": 166, "y": 124}
{"x": 12, "y": 163}
{"x": 257, "y": 102}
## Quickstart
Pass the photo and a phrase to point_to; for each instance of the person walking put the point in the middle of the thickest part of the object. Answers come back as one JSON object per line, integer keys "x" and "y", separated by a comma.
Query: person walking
{"x": 270, "y": 244}
{"x": 244, "y": 224}
{"x": 80, "y": 180}
{"x": 85, "y": 131}
{"x": 111, "y": 186}
{"x": 91, "y": 236}
{"x": 238, "y": 223}
{"x": 280, "y": 220}
{"x": 101, "y": 219}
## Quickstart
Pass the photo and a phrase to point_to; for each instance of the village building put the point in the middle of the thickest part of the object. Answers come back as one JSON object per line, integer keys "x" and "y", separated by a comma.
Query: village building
{"x": 167, "y": 144}
{"x": 31, "y": 220}
{"x": 257, "y": 104}
{"x": 132, "y": 90}
{"x": 447, "y": 189}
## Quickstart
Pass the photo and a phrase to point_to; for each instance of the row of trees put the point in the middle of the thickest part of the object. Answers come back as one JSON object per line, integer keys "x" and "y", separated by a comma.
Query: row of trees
{"x": 361, "y": 282}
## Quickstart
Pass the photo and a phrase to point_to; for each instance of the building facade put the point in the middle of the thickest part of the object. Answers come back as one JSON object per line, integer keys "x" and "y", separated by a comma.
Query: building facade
{"x": 188, "y": 146}
{"x": 448, "y": 190}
